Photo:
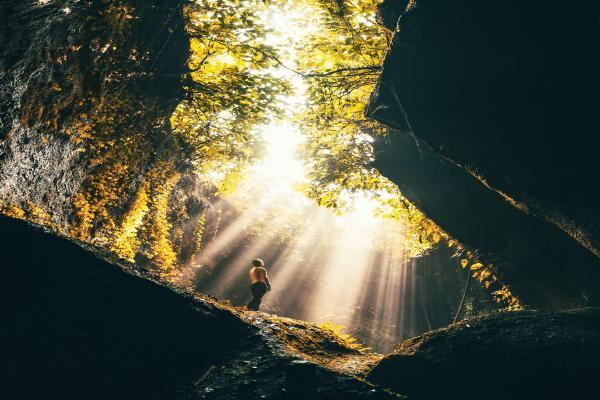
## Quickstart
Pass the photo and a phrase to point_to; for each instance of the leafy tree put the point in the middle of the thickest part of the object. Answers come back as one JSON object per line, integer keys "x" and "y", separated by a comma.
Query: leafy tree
{"x": 238, "y": 78}
{"x": 230, "y": 89}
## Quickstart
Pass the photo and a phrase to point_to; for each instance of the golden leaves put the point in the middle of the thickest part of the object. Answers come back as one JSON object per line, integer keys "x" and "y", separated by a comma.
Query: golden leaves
{"x": 476, "y": 266}
{"x": 155, "y": 229}
{"x": 126, "y": 242}
{"x": 485, "y": 274}
{"x": 85, "y": 217}
{"x": 337, "y": 331}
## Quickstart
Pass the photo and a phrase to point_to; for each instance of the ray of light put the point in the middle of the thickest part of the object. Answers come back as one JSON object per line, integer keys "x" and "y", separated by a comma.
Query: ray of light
{"x": 262, "y": 246}
{"x": 293, "y": 269}
{"x": 330, "y": 268}
{"x": 345, "y": 267}
{"x": 229, "y": 235}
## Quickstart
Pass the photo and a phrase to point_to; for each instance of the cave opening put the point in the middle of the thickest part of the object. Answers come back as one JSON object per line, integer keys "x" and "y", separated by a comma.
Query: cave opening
{"x": 150, "y": 149}
{"x": 275, "y": 118}
{"x": 267, "y": 152}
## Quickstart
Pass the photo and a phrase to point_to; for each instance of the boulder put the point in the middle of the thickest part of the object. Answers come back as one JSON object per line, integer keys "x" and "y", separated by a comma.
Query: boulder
{"x": 87, "y": 89}
{"x": 515, "y": 355}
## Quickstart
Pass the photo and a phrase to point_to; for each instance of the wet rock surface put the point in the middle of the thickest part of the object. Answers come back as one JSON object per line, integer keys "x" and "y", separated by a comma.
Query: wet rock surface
{"x": 507, "y": 94}
{"x": 518, "y": 355}
{"x": 75, "y": 326}
{"x": 86, "y": 91}
{"x": 264, "y": 371}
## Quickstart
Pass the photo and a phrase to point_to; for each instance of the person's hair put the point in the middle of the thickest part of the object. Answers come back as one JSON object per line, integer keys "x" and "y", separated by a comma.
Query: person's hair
{"x": 257, "y": 262}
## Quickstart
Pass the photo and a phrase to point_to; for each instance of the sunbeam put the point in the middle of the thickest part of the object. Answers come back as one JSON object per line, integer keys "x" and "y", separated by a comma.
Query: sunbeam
{"x": 345, "y": 258}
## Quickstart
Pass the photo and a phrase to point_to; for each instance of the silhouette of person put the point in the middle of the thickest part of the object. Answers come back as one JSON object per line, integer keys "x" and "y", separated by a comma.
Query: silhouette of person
{"x": 259, "y": 283}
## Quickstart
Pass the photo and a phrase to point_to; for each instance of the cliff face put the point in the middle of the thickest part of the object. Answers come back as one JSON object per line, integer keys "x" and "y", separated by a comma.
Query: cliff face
{"x": 86, "y": 148}
{"x": 508, "y": 96}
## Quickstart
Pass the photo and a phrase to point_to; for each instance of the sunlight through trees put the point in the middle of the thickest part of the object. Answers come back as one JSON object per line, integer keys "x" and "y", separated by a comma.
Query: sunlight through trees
{"x": 270, "y": 156}
{"x": 261, "y": 65}
{"x": 290, "y": 151}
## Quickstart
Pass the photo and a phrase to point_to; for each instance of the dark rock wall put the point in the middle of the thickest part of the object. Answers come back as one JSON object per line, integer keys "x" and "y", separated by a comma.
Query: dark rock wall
{"x": 540, "y": 263}
{"x": 507, "y": 93}
{"x": 60, "y": 59}
{"x": 75, "y": 326}
{"x": 86, "y": 92}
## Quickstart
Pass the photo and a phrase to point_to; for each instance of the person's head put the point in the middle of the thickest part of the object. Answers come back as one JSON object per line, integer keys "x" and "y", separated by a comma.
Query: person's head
{"x": 257, "y": 262}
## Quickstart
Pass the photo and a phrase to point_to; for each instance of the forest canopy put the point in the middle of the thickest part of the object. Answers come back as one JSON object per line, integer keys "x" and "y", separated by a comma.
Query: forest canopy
{"x": 313, "y": 64}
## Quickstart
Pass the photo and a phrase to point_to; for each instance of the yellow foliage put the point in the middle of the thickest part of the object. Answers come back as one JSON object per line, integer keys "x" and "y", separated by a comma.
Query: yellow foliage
{"x": 38, "y": 215}
{"x": 85, "y": 216}
{"x": 156, "y": 228}
{"x": 476, "y": 266}
{"x": 199, "y": 234}
{"x": 12, "y": 210}
{"x": 126, "y": 243}
{"x": 338, "y": 332}
{"x": 485, "y": 274}
{"x": 504, "y": 295}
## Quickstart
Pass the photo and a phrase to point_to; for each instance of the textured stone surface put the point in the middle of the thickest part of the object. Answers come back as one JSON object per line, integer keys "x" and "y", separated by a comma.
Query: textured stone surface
{"x": 540, "y": 263}
{"x": 520, "y": 355}
{"x": 508, "y": 94}
{"x": 78, "y": 75}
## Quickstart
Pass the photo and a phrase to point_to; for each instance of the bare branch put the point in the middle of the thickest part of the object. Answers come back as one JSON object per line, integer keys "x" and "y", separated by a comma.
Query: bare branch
{"x": 208, "y": 54}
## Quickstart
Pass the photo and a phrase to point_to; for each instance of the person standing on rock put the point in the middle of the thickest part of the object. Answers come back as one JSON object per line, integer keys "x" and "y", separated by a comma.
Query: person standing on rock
{"x": 259, "y": 283}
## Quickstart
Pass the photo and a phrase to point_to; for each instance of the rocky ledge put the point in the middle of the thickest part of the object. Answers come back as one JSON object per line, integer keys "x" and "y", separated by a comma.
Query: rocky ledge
{"x": 77, "y": 326}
